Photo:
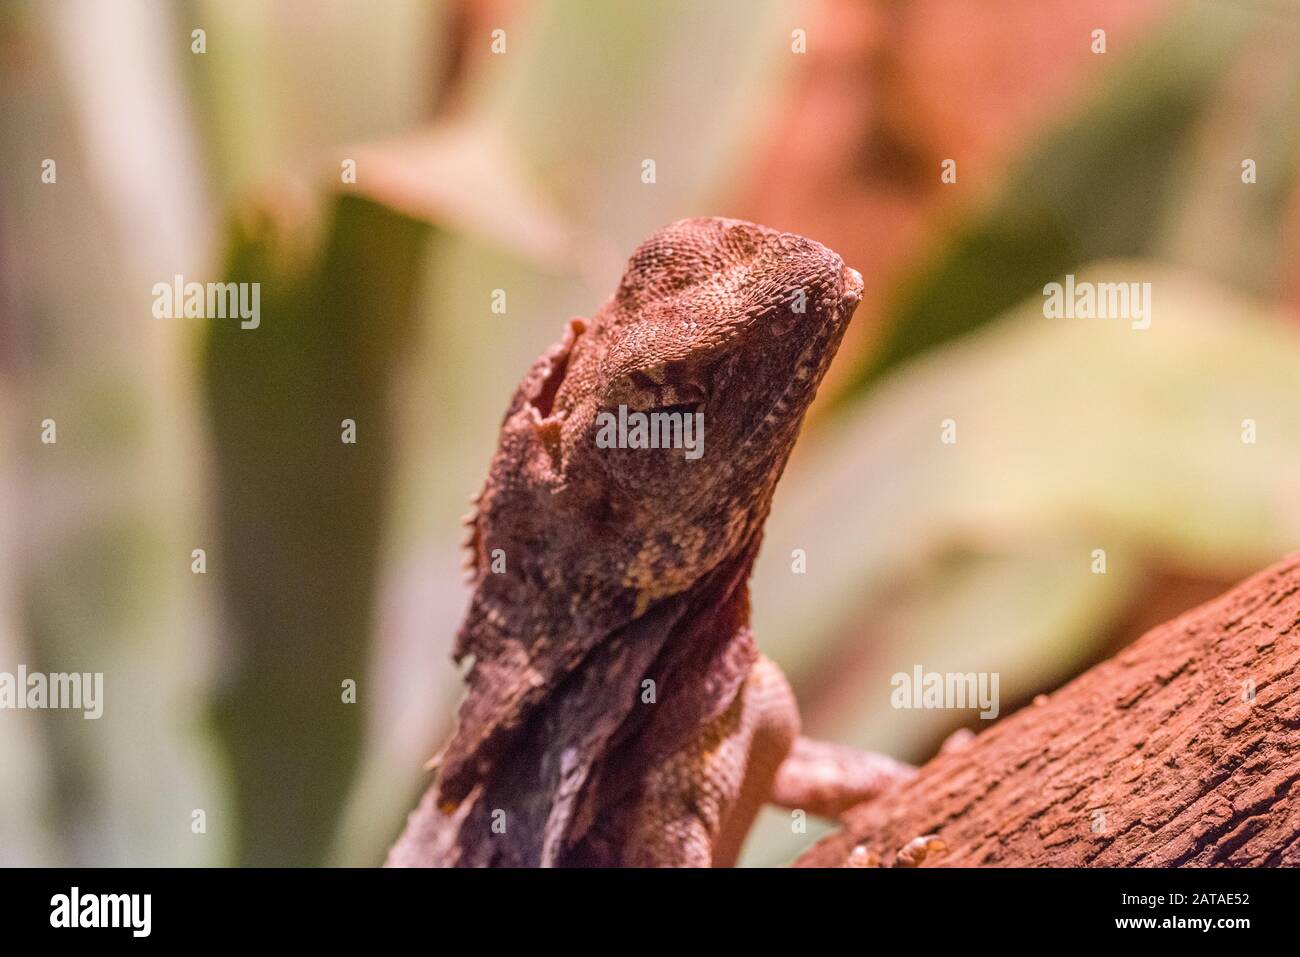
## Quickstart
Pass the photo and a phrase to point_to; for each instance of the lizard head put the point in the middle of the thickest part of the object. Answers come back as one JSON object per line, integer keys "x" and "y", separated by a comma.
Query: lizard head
{"x": 634, "y": 471}
{"x": 663, "y": 423}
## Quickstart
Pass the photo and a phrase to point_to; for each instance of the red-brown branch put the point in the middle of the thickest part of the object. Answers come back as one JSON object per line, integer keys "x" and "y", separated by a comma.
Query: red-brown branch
{"x": 1183, "y": 749}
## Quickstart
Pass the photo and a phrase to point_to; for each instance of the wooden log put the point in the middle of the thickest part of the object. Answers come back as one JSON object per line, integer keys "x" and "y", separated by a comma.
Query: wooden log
{"x": 1183, "y": 749}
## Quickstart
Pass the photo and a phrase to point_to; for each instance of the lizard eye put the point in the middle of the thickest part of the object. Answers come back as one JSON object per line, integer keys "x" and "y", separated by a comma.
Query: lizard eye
{"x": 644, "y": 392}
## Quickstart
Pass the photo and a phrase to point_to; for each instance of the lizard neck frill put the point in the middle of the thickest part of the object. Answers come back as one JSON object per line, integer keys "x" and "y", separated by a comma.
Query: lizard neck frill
{"x": 558, "y": 773}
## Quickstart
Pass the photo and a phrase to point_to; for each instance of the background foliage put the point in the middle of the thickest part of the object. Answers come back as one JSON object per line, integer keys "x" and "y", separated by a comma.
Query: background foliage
{"x": 522, "y": 172}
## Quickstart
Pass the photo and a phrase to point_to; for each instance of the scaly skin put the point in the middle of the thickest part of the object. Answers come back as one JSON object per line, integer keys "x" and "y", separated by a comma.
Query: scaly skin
{"x": 618, "y": 712}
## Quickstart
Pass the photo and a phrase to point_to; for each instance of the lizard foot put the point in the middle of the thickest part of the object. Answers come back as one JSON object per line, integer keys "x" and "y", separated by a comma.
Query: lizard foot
{"x": 827, "y": 779}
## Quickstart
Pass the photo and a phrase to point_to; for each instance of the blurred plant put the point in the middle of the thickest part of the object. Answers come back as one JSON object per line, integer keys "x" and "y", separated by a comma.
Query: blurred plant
{"x": 303, "y": 439}
{"x": 1099, "y": 185}
{"x": 338, "y": 561}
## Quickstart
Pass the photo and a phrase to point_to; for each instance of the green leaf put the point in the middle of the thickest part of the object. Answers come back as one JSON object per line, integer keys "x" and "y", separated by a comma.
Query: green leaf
{"x": 300, "y": 512}
{"x": 1092, "y": 189}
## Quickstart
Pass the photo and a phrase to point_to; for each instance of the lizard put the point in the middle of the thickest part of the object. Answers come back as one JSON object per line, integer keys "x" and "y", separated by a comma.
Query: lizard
{"x": 618, "y": 712}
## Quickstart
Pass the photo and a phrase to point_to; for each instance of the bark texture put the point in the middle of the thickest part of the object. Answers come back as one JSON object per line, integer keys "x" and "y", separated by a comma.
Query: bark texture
{"x": 1184, "y": 749}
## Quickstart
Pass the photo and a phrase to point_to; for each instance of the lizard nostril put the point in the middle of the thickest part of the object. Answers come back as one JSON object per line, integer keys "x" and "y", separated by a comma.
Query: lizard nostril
{"x": 851, "y": 282}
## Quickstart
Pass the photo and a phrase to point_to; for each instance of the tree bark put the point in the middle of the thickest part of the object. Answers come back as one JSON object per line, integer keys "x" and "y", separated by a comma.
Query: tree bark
{"x": 1184, "y": 749}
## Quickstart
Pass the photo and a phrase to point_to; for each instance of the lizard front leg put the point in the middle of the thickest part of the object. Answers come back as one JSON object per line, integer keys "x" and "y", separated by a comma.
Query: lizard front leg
{"x": 699, "y": 804}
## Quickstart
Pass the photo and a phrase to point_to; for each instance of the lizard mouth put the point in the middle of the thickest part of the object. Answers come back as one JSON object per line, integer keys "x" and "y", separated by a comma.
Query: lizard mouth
{"x": 809, "y": 367}
{"x": 685, "y": 408}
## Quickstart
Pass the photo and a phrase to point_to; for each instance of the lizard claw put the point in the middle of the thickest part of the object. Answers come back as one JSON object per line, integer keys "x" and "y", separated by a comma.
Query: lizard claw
{"x": 915, "y": 851}
{"x": 862, "y": 856}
